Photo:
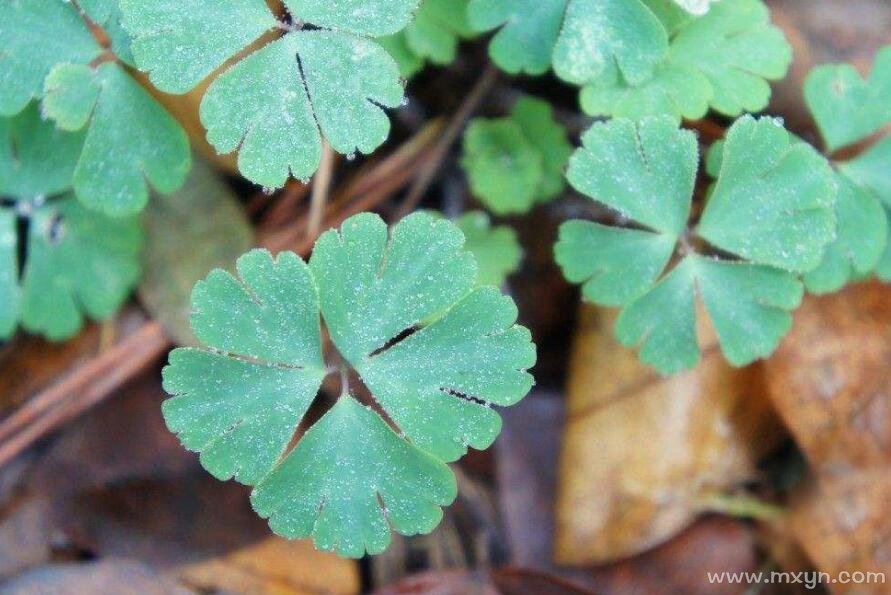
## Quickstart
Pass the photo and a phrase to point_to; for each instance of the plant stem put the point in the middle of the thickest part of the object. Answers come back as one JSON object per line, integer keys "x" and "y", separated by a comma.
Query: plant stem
{"x": 742, "y": 506}
{"x": 320, "y": 186}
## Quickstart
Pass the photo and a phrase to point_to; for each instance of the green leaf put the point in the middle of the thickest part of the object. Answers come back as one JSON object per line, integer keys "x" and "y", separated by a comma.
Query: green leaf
{"x": 536, "y": 120}
{"x": 861, "y": 239}
{"x": 36, "y": 159}
{"x": 436, "y": 29}
{"x": 773, "y": 206}
{"x": 614, "y": 265}
{"x": 240, "y": 402}
{"x": 265, "y": 360}
{"x": 748, "y": 304}
{"x": 698, "y": 7}
{"x": 645, "y": 171}
{"x": 846, "y": 108}
{"x": 883, "y": 267}
{"x": 784, "y": 190}
{"x": 721, "y": 60}
{"x": 333, "y": 484}
{"x": 35, "y": 36}
{"x": 504, "y": 168}
{"x": 408, "y": 62}
{"x": 78, "y": 262}
{"x": 332, "y": 82}
{"x": 663, "y": 322}
{"x": 131, "y": 139}
{"x": 870, "y": 170}
{"x": 9, "y": 272}
{"x": 678, "y": 90}
{"x": 205, "y": 212}
{"x": 107, "y": 14}
{"x": 530, "y": 29}
{"x": 495, "y": 249}
{"x": 599, "y": 36}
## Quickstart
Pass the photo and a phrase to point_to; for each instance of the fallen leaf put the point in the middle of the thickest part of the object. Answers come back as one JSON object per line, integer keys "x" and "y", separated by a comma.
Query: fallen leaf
{"x": 831, "y": 378}
{"x": 25, "y": 537}
{"x": 189, "y": 233}
{"x": 273, "y": 566}
{"x": 641, "y": 452}
{"x": 106, "y": 577}
{"x": 841, "y": 521}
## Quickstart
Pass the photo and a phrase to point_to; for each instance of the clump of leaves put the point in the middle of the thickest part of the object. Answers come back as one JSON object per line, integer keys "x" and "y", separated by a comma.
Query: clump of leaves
{"x": 403, "y": 312}
{"x": 276, "y": 104}
{"x": 51, "y": 54}
{"x": 514, "y": 162}
{"x": 76, "y": 262}
{"x": 636, "y": 58}
{"x": 433, "y": 36}
{"x": 848, "y": 110}
{"x": 768, "y": 220}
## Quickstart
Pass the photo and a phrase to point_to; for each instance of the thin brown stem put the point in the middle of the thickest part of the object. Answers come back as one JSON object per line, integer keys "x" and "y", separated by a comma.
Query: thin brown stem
{"x": 320, "y": 187}
{"x": 456, "y": 124}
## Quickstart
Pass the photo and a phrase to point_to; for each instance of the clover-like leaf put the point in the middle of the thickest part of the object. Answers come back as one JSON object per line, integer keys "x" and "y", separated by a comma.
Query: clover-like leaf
{"x": 517, "y": 161}
{"x": 503, "y": 166}
{"x": 495, "y": 249}
{"x": 402, "y": 311}
{"x": 720, "y": 60}
{"x": 130, "y": 137}
{"x": 35, "y": 36}
{"x": 408, "y": 62}
{"x": 870, "y": 170}
{"x": 50, "y": 54}
{"x": 697, "y": 7}
{"x": 861, "y": 240}
{"x": 275, "y": 105}
{"x": 76, "y": 262}
{"x": 846, "y": 108}
{"x": 37, "y": 160}
{"x": 768, "y": 183}
{"x": 436, "y": 29}
{"x": 782, "y": 188}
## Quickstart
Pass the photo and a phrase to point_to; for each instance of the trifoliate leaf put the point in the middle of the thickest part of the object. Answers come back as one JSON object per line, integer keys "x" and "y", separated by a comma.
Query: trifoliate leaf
{"x": 78, "y": 262}
{"x": 35, "y": 36}
{"x": 401, "y": 310}
{"x": 614, "y": 265}
{"x": 646, "y": 172}
{"x": 495, "y": 249}
{"x": 600, "y": 36}
{"x": 503, "y": 166}
{"x": 870, "y": 170}
{"x": 348, "y": 465}
{"x": 847, "y": 108}
{"x": 436, "y": 29}
{"x": 331, "y": 82}
{"x": 767, "y": 182}
{"x": 36, "y": 159}
{"x": 536, "y": 120}
{"x": 530, "y": 29}
{"x": 773, "y": 202}
{"x": 721, "y": 60}
{"x": 861, "y": 239}
{"x": 516, "y": 161}
{"x": 131, "y": 139}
